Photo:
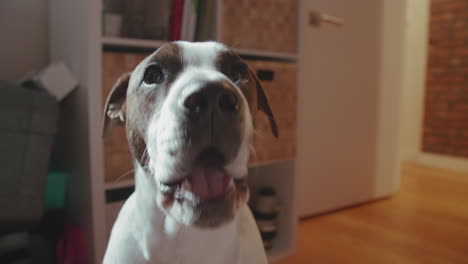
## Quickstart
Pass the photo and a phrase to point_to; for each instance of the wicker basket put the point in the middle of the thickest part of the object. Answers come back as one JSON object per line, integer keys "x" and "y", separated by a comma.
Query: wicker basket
{"x": 118, "y": 161}
{"x": 282, "y": 96}
{"x": 267, "y": 25}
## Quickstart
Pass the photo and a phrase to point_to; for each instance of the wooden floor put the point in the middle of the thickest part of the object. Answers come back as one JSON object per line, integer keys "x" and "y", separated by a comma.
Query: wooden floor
{"x": 425, "y": 222}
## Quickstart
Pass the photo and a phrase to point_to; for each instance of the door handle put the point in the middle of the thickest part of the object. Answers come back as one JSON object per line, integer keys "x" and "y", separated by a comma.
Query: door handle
{"x": 317, "y": 18}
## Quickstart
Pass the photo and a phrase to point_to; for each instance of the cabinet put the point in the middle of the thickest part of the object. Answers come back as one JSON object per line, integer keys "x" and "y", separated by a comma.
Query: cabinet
{"x": 100, "y": 169}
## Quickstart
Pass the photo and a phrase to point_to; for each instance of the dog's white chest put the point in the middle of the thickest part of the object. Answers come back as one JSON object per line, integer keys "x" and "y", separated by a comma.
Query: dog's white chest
{"x": 186, "y": 244}
{"x": 237, "y": 242}
{"x": 168, "y": 242}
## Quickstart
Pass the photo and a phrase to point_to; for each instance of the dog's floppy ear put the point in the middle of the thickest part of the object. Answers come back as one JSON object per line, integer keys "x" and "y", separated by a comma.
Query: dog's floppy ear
{"x": 114, "y": 110}
{"x": 264, "y": 106}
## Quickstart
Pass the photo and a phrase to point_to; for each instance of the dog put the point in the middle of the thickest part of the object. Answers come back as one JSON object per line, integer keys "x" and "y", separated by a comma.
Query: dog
{"x": 188, "y": 110}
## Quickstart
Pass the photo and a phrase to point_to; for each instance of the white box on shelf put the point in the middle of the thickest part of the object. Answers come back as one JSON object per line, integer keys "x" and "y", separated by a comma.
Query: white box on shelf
{"x": 56, "y": 79}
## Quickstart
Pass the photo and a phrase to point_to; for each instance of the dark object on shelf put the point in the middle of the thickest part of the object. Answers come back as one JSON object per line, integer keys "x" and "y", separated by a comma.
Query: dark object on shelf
{"x": 28, "y": 121}
{"x": 147, "y": 19}
{"x": 112, "y": 24}
{"x": 265, "y": 209}
{"x": 266, "y": 75}
{"x": 206, "y": 21}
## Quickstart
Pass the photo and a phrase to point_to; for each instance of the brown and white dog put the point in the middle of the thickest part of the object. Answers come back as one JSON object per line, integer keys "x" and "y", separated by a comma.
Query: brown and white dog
{"x": 188, "y": 111}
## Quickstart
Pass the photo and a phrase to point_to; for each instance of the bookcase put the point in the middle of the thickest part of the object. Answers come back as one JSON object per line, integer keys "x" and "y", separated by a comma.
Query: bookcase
{"x": 100, "y": 169}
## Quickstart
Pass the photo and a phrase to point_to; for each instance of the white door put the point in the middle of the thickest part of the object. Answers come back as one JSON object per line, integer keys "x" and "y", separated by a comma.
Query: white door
{"x": 346, "y": 134}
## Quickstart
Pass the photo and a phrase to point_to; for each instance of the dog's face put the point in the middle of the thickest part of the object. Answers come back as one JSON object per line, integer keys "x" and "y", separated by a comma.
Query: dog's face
{"x": 188, "y": 111}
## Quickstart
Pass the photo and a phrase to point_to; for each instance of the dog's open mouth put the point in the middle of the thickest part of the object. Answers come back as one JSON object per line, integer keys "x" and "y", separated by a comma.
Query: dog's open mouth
{"x": 206, "y": 181}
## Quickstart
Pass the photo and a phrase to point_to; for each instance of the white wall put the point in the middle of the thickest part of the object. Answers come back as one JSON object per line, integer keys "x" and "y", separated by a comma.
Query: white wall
{"x": 391, "y": 57}
{"x": 414, "y": 76}
{"x": 24, "y": 37}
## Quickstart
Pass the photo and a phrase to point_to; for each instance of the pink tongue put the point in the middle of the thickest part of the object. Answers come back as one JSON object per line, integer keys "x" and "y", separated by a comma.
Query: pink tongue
{"x": 208, "y": 183}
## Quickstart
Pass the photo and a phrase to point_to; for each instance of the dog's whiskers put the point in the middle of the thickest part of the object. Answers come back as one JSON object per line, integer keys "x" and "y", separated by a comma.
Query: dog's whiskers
{"x": 123, "y": 175}
{"x": 252, "y": 150}
{"x": 146, "y": 158}
{"x": 126, "y": 174}
{"x": 233, "y": 46}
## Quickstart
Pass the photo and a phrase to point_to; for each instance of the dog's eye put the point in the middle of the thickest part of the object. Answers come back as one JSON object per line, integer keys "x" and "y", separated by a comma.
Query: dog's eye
{"x": 239, "y": 72}
{"x": 153, "y": 74}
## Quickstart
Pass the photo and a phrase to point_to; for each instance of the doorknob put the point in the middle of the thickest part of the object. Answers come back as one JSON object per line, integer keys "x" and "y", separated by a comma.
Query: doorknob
{"x": 317, "y": 18}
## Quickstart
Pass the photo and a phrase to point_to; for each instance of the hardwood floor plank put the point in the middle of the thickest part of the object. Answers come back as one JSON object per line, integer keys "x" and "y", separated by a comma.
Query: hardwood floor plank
{"x": 425, "y": 222}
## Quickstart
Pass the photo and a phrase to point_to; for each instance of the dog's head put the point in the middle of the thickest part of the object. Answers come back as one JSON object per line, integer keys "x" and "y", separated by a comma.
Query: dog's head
{"x": 188, "y": 111}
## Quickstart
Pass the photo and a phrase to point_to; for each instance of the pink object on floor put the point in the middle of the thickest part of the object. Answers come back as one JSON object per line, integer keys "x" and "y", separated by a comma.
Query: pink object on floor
{"x": 70, "y": 247}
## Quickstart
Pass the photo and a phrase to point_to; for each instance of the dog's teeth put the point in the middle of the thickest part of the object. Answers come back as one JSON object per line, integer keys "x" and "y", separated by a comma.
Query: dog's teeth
{"x": 171, "y": 187}
{"x": 172, "y": 184}
{"x": 178, "y": 195}
{"x": 166, "y": 188}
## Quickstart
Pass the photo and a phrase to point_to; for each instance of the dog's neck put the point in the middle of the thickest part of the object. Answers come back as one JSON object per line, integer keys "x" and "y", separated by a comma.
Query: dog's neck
{"x": 159, "y": 231}
{"x": 145, "y": 188}
{"x": 145, "y": 195}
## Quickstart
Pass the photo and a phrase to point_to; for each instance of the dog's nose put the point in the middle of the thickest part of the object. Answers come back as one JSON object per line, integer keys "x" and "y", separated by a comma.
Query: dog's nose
{"x": 196, "y": 102}
{"x": 227, "y": 101}
{"x": 215, "y": 96}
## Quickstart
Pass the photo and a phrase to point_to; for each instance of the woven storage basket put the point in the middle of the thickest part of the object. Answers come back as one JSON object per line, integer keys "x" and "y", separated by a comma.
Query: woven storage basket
{"x": 282, "y": 95}
{"x": 268, "y": 25}
{"x": 117, "y": 157}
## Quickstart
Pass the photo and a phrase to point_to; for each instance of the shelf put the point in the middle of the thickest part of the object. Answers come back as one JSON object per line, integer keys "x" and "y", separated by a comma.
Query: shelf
{"x": 270, "y": 162}
{"x": 267, "y": 54}
{"x": 133, "y": 43}
{"x": 119, "y": 184}
{"x": 274, "y": 176}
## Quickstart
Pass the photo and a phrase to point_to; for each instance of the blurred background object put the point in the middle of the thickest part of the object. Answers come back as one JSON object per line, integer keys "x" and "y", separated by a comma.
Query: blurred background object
{"x": 28, "y": 124}
{"x": 265, "y": 207}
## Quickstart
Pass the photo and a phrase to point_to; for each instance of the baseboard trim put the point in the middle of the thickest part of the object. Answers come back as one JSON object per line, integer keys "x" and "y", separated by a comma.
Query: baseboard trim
{"x": 408, "y": 154}
{"x": 439, "y": 161}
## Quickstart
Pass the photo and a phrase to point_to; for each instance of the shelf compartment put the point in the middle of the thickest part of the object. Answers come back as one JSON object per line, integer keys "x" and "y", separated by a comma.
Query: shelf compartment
{"x": 279, "y": 176}
{"x": 279, "y": 83}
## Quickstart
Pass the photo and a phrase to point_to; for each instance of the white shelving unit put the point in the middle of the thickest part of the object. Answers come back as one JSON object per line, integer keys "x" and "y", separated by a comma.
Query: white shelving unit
{"x": 75, "y": 38}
